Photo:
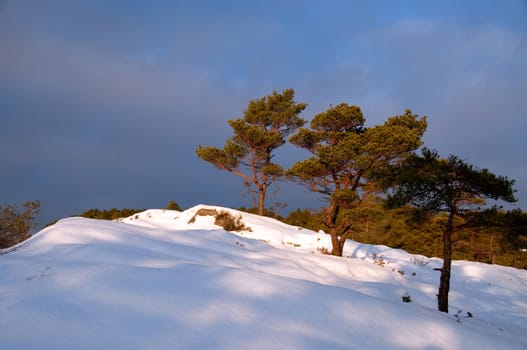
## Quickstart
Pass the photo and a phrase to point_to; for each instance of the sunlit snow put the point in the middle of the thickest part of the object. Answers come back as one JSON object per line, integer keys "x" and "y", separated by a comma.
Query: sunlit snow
{"x": 156, "y": 280}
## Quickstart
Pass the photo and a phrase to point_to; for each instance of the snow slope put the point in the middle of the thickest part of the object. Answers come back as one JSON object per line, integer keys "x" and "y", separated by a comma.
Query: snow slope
{"x": 156, "y": 281}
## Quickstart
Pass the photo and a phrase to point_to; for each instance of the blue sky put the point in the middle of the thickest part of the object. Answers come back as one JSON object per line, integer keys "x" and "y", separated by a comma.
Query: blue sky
{"x": 102, "y": 103}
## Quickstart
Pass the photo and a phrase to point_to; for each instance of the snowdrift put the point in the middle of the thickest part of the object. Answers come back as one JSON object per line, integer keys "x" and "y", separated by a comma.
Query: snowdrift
{"x": 165, "y": 279}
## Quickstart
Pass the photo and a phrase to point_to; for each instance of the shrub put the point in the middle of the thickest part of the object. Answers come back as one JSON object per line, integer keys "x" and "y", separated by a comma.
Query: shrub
{"x": 111, "y": 214}
{"x": 173, "y": 206}
{"x": 304, "y": 218}
{"x": 379, "y": 260}
{"x": 15, "y": 225}
{"x": 229, "y": 222}
{"x": 324, "y": 250}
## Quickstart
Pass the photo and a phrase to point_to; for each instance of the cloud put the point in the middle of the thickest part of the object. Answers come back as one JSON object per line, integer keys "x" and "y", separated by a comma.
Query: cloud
{"x": 98, "y": 98}
{"x": 79, "y": 121}
{"x": 468, "y": 80}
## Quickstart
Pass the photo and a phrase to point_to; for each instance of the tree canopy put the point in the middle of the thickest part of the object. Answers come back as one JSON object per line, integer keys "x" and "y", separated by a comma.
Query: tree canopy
{"x": 348, "y": 158}
{"x": 434, "y": 185}
{"x": 250, "y": 151}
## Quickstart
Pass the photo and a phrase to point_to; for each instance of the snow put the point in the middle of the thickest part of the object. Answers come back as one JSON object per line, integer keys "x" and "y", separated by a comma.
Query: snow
{"x": 156, "y": 280}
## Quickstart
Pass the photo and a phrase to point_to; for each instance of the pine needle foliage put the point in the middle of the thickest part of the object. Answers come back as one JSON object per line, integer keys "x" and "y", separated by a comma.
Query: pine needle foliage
{"x": 348, "y": 159}
{"x": 451, "y": 186}
{"x": 250, "y": 151}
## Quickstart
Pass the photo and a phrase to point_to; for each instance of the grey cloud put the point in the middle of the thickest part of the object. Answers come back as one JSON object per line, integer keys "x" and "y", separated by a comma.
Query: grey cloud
{"x": 103, "y": 104}
{"x": 470, "y": 82}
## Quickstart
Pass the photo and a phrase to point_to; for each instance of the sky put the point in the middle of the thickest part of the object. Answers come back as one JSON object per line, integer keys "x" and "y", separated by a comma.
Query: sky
{"x": 103, "y": 103}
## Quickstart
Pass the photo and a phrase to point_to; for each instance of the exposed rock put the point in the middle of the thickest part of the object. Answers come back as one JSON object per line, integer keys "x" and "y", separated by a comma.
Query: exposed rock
{"x": 203, "y": 212}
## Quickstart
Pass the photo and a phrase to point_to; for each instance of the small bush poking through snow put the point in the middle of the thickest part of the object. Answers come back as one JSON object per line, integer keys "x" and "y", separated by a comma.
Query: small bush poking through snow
{"x": 401, "y": 272}
{"x": 324, "y": 250}
{"x": 458, "y": 316}
{"x": 379, "y": 260}
{"x": 229, "y": 222}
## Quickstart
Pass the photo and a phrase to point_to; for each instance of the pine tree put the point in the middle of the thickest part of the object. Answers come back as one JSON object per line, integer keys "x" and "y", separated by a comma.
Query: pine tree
{"x": 434, "y": 185}
{"x": 250, "y": 151}
{"x": 348, "y": 157}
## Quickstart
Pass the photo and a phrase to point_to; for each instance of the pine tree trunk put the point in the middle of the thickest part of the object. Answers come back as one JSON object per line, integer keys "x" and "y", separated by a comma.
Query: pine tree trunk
{"x": 444, "y": 280}
{"x": 261, "y": 200}
{"x": 331, "y": 222}
{"x": 337, "y": 246}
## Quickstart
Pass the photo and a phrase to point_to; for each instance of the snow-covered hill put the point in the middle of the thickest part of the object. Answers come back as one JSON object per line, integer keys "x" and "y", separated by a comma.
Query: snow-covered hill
{"x": 174, "y": 280}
